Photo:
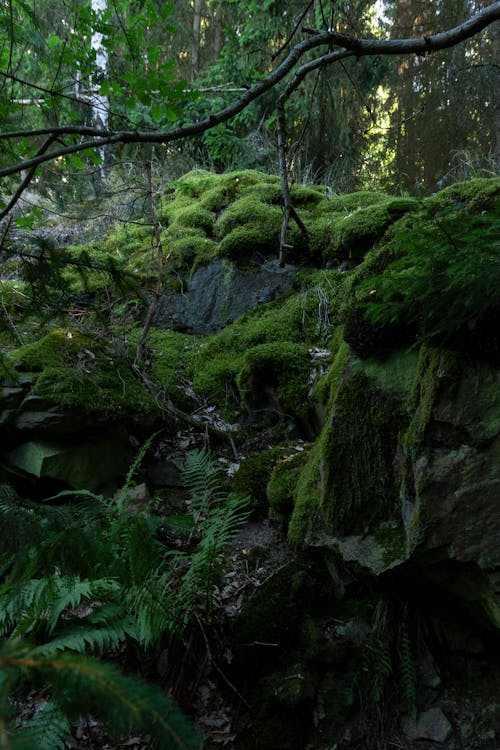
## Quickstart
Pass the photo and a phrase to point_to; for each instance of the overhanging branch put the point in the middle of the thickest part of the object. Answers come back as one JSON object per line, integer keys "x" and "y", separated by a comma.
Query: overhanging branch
{"x": 347, "y": 47}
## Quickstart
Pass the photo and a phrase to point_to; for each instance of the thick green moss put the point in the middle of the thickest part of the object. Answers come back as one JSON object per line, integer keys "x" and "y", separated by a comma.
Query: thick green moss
{"x": 76, "y": 371}
{"x": 434, "y": 367}
{"x": 306, "y": 516}
{"x": 348, "y": 480}
{"x": 248, "y": 210}
{"x": 278, "y": 370}
{"x": 348, "y": 228}
{"x": 168, "y": 350}
{"x": 190, "y": 252}
{"x": 59, "y": 347}
{"x": 194, "y": 216}
{"x": 472, "y": 196}
{"x": 282, "y": 483}
{"x": 248, "y": 241}
{"x": 301, "y": 319}
{"x": 254, "y": 473}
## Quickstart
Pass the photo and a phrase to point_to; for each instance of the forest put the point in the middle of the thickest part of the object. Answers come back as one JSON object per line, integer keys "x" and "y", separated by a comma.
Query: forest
{"x": 249, "y": 375}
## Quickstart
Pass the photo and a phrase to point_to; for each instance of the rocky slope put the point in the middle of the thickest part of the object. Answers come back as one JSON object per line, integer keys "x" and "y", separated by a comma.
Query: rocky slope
{"x": 354, "y": 392}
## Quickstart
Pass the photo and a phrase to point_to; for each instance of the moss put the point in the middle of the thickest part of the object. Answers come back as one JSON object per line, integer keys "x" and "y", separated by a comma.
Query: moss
{"x": 348, "y": 480}
{"x": 59, "y": 347}
{"x": 297, "y": 319}
{"x": 188, "y": 253}
{"x": 194, "y": 216}
{"x": 245, "y": 211}
{"x": 347, "y": 226}
{"x": 278, "y": 370}
{"x": 473, "y": 196}
{"x": 394, "y": 374}
{"x": 168, "y": 350}
{"x": 391, "y": 538}
{"x": 253, "y": 475}
{"x": 434, "y": 367}
{"x": 306, "y": 516}
{"x": 282, "y": 483}
{"x": 76, "y": 371}
{"x": 352, "y": 201}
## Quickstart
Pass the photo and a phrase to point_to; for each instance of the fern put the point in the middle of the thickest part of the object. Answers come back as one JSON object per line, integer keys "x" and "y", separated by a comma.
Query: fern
{"x": 104, "y": 628}
{"x": 47, "y": 730}
{"x": 202, "y": 477}
{"x": 86, "y": 575}
{"x": 134, "y": 467}
{"x": 80, "y": 684}
{"x": 379, "y": 665}
{"x": 42, "y": 601}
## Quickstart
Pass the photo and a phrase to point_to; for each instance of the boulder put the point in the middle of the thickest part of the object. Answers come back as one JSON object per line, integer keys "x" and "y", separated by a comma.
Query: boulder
{"x": 406, "y": 472}
{"x": 220, "y": 292}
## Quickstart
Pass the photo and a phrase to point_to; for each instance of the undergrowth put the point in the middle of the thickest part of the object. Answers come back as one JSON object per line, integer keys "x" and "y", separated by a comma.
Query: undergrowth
{"x": 82, "y": 575}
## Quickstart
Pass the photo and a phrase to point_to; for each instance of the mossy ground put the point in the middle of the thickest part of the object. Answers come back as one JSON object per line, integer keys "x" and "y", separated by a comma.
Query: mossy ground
{"x": 79, "y": 372}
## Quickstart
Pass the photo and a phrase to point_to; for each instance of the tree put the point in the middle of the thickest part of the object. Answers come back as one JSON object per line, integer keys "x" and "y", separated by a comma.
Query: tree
{"x": 147, "y": 97}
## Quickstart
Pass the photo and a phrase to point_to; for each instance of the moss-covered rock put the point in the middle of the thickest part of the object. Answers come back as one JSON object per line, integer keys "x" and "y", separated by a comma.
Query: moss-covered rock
{"x": 283, "y": 482}
{"x": 434, "y": 277}
{"x": 263, "y": 356}
{"x": 253, "y": 475}
{"x": 275, "y": 376}
{"x": 79, "y": 372}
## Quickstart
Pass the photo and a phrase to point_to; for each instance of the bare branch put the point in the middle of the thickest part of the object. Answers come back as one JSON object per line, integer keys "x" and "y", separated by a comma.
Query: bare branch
{"x": 349, "y": 46}
{"x": 25, "y": 183}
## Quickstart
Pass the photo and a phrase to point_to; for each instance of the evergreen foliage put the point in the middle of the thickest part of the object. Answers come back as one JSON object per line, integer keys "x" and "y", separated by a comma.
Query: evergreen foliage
{"x": 444, "y": 278}
{"x": 82, "y": 577}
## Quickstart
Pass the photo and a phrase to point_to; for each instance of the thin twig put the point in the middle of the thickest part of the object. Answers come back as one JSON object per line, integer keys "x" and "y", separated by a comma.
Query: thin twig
{"x": 214, "y": 663}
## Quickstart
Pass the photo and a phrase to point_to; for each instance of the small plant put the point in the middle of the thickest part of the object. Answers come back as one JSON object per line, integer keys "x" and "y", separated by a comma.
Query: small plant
{"x": 83, "y": 577}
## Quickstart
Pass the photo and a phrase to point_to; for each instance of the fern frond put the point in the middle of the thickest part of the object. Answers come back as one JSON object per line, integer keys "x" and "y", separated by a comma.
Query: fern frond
{"x": 105, "y": 628}
{"x": 203, "y": 478}
{"x": 133, "y": 468}
{"x": 84, "y": 685}
{"x": 221, "y": 526}
{"x": 41, "y": 601}
{"x": 47, "y": 730}
{"x": 150, "y": 603}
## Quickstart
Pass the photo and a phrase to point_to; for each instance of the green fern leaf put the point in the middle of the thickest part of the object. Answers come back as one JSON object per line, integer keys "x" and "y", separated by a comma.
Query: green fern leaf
{"x": 47, "y": 730}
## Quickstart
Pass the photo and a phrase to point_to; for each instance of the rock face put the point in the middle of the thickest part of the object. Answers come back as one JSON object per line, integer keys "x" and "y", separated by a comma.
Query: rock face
{"x": 406, "y": 474}
{"x": 220, "y": 292}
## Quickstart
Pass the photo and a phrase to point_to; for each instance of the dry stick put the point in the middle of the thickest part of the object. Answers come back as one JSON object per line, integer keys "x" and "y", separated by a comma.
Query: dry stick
{"x": 212, "y": 661}
{"x": 290, "y": 211}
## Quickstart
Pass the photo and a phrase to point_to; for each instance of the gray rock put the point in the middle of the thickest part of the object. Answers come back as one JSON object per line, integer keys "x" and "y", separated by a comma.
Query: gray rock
{"x": 431, "y": 725}
{"x": 220, "y": 292}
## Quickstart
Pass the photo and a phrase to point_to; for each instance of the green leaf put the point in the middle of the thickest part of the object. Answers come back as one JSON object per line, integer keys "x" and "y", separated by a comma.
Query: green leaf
{"x": 157, "y": 110}
{"x": 53, "y": 41}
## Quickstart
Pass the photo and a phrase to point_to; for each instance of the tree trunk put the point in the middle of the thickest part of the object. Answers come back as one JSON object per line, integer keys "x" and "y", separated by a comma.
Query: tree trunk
{"x": 100, "y": 104}
{"x": 217, "y": 31}
{"x": 195, "y": 59}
